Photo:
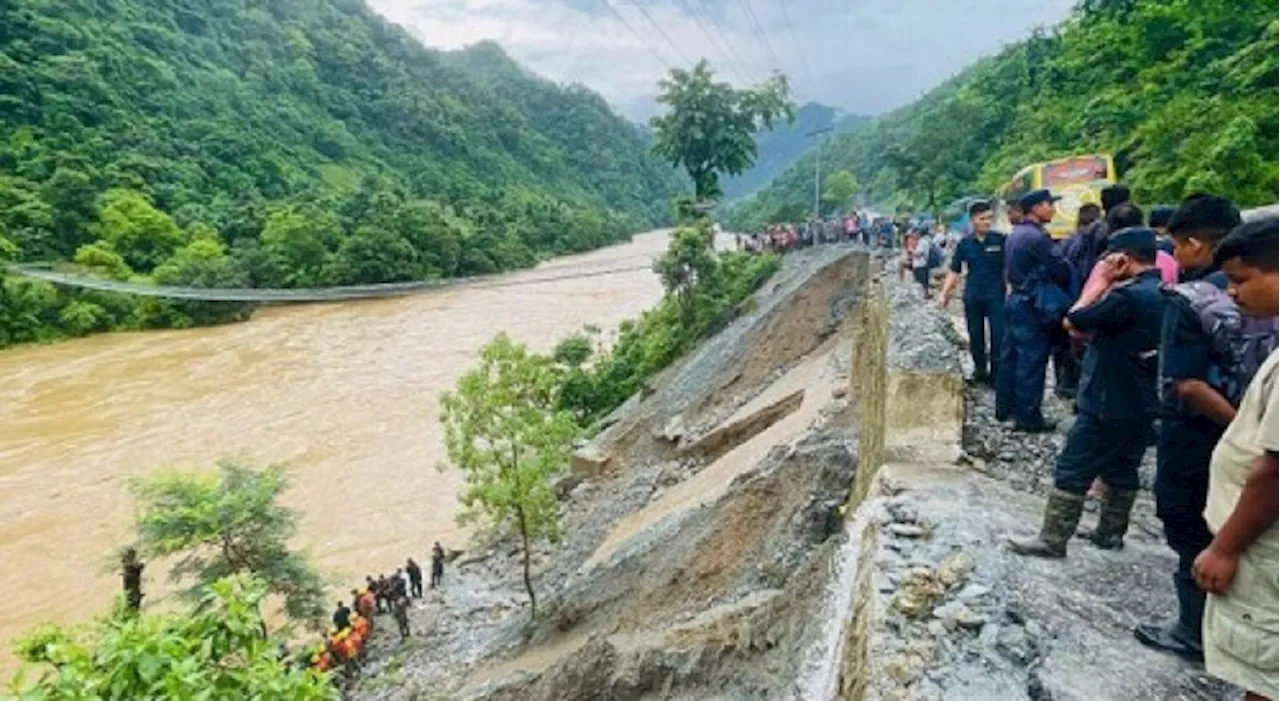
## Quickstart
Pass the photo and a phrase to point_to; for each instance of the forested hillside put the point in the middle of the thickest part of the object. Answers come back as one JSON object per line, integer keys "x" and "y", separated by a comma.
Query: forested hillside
{"x": 780, "y": 147}
{"x": 1183, "y": 93}
{"x": 610, "y": 154}
{"x": 271, "y": 143}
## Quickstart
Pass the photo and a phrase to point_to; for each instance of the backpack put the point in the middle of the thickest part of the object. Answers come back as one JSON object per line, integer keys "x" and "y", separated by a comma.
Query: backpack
{"x": 1238, "y": 344}
{"x": 935, "y": 255}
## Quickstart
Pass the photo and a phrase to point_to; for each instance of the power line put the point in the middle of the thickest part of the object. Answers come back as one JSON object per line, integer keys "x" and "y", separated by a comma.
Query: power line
{"x": 759, "y": 31}
{"x": 636, "y": 34}
{"x": 661, "y": 31}
{"x": 711, "y": 39}
{"x": 791, "y": 30}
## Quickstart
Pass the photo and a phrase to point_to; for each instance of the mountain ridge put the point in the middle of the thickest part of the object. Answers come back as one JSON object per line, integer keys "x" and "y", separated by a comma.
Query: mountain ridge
{"x": 285, "y": 144}
{"x": 779, "y": 148}
{"x": 1184, "y": 98}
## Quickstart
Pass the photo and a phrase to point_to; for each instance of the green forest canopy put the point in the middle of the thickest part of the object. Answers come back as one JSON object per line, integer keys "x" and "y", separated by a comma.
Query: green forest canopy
{"x": 272, "y": 143}
{"x": 1182, "y": 92}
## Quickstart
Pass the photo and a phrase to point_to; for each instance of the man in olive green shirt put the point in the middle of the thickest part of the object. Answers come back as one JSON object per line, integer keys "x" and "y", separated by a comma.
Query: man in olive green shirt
{"x": 1240, "y": 569}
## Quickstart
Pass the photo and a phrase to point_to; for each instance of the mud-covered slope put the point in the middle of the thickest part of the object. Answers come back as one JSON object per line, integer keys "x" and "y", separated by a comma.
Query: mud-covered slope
{"x": 699, "y": 529}
{"x": 720, "y": 544}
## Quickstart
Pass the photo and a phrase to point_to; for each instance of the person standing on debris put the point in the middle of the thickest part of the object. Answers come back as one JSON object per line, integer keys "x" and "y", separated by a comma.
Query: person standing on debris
{"x": 412, "y": 569}
{"x": 362, "y": 602}
{"x": 1121, "y": 307}
{"x": 1206, "y": 362}
{"x": 400, "y": 610}
{"x": 400, "y": 584}
{"x": 342, "y": 617}
{"x": 1239, "y": 567}
{"x": 1094, "y": 224}
{"x": 917, "y": 256}
{"x": 982, "y": 254}
{"x": 383, "y": 591}
{"x": 1066, "y": 353}
{"x": 437, "y": 565}
{"x": 1037, "y": 276}
{"x": 131, "y": 574}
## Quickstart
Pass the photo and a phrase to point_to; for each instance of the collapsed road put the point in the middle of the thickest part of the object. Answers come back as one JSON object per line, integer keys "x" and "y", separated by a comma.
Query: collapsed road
{"x": 809, "y": 506}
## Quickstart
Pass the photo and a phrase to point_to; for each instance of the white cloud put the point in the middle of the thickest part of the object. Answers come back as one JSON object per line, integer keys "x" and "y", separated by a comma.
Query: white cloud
{"x": 864, "y": 56}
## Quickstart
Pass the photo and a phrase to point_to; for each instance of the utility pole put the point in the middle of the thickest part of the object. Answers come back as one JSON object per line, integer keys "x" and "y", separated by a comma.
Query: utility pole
{"x": 817, "y": 171}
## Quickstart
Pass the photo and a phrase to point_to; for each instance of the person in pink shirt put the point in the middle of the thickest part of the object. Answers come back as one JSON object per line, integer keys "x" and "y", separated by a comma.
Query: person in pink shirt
{"x": 1168, "y": 268}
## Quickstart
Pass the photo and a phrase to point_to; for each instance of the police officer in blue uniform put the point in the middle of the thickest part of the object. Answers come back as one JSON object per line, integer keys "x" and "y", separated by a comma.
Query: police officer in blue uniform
{"x": 981, "y": 251}
{"x": 1195, "y": 410}
{"x": 1121, "y": 308}
{"x": 1037, "y": 276}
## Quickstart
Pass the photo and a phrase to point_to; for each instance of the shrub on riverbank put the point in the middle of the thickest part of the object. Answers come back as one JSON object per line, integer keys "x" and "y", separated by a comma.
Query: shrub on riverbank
{"x": 215, "y": 651}
{"x": 704, "y": 290}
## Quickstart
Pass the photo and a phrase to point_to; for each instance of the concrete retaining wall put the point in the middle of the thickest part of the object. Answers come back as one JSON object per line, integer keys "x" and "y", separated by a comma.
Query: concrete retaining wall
{"x": 908, "y": 407}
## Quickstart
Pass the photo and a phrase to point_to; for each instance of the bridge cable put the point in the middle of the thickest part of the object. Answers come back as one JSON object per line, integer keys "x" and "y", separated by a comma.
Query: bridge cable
{"x": 298, "y": 295}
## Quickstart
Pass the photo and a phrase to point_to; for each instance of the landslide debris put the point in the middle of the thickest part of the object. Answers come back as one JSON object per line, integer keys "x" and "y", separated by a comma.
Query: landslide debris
{"x": 700, "y": 528}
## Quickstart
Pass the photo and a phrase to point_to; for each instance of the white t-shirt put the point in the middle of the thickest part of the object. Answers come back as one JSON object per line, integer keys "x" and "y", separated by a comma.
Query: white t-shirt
{"x": 1255, "y": 430}
{"x": 920, "y": 256}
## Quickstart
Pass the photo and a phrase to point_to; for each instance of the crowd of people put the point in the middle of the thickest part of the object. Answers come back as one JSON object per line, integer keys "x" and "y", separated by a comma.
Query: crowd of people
{"x": 342, "y": 646}
{"x": 858, "y": 227}
{"x": 1163, "y": 330}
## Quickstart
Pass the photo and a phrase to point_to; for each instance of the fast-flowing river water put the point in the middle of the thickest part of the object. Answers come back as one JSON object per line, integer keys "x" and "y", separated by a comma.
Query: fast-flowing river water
{"x": 345, "y": 395}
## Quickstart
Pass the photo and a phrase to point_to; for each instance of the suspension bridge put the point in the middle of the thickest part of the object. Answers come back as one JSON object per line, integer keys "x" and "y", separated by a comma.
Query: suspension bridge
{"x": 259, "y": 295}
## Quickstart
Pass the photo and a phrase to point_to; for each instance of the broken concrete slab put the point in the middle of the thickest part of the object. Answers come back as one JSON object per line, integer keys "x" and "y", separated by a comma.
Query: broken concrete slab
{"x": 733, "y": 433}
{"x": 589, "y": 461}
{"x": 924, "y": 416}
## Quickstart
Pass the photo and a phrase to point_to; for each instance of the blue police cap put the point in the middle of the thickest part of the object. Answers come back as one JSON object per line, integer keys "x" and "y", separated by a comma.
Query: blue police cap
{"x": 1133, "y": 238}
{"x": 1035, "y": 197}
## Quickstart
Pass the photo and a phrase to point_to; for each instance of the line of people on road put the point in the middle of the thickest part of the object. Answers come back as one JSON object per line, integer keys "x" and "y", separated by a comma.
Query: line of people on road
{"x": 856, "y": 227}
{"x": 1170, "y": 336}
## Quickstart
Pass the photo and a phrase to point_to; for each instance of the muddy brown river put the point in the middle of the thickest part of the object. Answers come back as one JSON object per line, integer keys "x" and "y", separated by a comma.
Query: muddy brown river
{"x": 345, "y": 395}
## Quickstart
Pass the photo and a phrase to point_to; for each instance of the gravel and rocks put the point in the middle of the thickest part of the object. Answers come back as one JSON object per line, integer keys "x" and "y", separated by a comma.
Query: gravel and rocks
{"x": 921, "y": 339}
{"x": 961, "y": 617}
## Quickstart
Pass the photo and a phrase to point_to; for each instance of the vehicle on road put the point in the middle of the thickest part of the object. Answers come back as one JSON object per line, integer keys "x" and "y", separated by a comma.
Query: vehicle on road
{"x": 1076, "y": 179}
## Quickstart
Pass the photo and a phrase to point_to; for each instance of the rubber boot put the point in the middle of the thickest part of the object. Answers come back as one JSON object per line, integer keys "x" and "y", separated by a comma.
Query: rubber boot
{"x": 1181, "y": 637}
{"x": 1061, "y": 515}
{"x": 1113, "y": 519}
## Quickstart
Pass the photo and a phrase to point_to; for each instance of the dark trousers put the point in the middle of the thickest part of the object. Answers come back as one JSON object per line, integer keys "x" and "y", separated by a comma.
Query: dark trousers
{"x": 437, "y": 575}
{"x": 979, "y": 313}
{"x": 415, "y": 587}
{"x": 1183, "y": 452}
{"x": 922, "y": 276}
{"x": 1024, "y": 355}
{"x": 1066, "y": 367}
{"x": 1106, "y": 448}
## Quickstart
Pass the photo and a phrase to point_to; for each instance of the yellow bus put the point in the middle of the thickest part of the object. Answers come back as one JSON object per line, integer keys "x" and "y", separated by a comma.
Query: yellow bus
{"x": 1076, "y": 179}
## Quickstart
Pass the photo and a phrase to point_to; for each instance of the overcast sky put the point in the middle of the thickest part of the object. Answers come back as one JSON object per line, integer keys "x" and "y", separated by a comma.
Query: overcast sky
{"x": 865, "y": 56}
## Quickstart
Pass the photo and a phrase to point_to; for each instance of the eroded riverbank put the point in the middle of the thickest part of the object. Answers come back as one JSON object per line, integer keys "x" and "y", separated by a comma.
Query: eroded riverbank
{"x": 344, "y": 394}
{"x": 789, "y": 512}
